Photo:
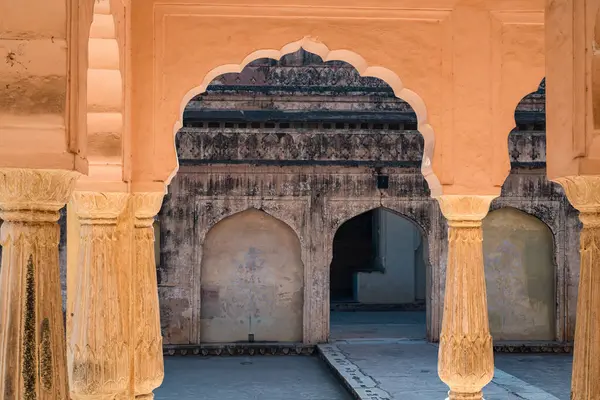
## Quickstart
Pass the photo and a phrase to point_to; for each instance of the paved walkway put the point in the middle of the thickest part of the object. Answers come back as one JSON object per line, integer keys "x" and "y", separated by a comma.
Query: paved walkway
{"x": 249, "y": 378}
{"x": 407, "y": 370}
{"x": 376, "y": 355}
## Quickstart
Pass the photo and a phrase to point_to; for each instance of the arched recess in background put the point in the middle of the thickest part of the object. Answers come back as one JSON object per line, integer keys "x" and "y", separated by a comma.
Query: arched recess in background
{"x": 379, "y": 258}
{"x": 527, "y": 141}
{"x": 520, "y": 276}
{"x": 252, "y": 281}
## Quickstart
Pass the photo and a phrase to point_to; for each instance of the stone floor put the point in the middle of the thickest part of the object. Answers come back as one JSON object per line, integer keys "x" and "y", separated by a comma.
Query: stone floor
{"x": 377, "y": 324}
{"x": 249, "y": 378}
{"x": 407, "y": 369}
{"x": 551, "y": 372}
{"x": 378, "y": 356}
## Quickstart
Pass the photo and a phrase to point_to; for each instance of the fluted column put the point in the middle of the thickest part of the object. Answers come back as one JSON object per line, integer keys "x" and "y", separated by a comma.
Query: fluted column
{"x": 32, "y": 340}
{"x": 148, "y": 356}
{"x": 466, "y": 360}
{"x": 98, "y": 353}
{"x": 584, "y": 194}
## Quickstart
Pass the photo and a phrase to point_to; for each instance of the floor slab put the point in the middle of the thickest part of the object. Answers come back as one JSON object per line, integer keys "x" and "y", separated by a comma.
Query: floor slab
{"x": 249, "y": 378}
{"x": 377, "y": 324}
{"x": 407, "y": 370}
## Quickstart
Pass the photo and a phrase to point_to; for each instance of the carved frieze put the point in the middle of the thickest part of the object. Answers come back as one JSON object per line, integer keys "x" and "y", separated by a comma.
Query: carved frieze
{"x": 327, "y": 146}
{"x": 279, "y": 145}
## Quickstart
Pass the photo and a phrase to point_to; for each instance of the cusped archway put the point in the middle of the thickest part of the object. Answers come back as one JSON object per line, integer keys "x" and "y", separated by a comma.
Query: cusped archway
{"x": 362, "y": 67}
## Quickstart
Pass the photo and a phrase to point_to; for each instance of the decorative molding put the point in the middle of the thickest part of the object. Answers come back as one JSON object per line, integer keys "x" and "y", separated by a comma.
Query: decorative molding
{"x": 523, "y": 348}
{"x": 251, "y": 145}
{"x": 465, "y": 210}
{"x": 34, "y": 194}
{"x": 239, "y": 350}
{"x": 146, "y": 206}
{"x": 99, "y": 207}
{"x": 583, "y": 192}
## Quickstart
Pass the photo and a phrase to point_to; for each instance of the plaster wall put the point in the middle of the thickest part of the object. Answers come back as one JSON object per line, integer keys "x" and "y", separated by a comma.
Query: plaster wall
{"x": 398, "y": 240}
{"x": 316, "y": 201}
{"x": 468, "y": 121}
{"x": 520, "y": 276}
{"x": 252, "y": 281}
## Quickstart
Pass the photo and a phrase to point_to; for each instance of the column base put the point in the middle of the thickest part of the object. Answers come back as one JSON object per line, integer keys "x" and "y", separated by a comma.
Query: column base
{"x": 464, "y": 396}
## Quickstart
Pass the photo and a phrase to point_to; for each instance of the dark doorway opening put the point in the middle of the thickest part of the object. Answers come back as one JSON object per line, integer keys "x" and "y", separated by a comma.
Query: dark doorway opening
{"x": 378, "y": 278}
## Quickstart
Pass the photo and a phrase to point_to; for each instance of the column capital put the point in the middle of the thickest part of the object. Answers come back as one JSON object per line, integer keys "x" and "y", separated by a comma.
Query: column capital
{"x": 146, "y": 206}
{"x": 34, "y": 194}
{"x": 582, "y": 191}
{"x": 465, "y": 210}
{"x": 99, "y": 207}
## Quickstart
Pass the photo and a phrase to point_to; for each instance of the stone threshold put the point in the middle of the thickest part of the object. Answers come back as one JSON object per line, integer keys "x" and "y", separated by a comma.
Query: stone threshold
{"x": 239, "y": 349}
{"x": 364, "y": 387}
{"x": 232, "y": 349}
{"x": 532, "y": 347}
{"x": 499, "y": 346}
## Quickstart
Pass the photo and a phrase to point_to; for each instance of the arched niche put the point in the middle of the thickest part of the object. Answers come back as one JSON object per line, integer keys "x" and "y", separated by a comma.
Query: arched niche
{"x": 252, "y": 281}
{"x": 520, "y": 276}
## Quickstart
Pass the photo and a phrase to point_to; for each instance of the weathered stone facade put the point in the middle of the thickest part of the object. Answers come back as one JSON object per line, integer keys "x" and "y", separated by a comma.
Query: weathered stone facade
{"x": 306, "y": 144}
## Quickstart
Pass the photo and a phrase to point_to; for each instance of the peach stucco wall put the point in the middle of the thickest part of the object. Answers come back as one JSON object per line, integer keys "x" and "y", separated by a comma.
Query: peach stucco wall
{"x": 463, "y": 65}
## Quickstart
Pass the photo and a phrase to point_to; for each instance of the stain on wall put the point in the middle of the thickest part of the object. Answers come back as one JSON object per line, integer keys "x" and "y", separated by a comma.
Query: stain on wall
{"x": 520, "y": 276}
{"x": 252, "y": 281}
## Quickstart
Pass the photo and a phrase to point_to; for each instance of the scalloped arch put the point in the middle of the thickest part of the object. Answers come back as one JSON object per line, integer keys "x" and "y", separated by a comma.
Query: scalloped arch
{"x": 314, "y": 46}
{"x": 367, "y": 209}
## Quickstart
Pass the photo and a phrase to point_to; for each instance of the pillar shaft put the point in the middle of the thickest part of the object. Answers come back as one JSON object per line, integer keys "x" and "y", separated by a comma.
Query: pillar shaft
{"x": 98, "y": 351}
{"x": 148, "y": 355}
{"x": 32, "y": 340}
{"x": 584, "y": 194}
{"x": 466, "y": 361}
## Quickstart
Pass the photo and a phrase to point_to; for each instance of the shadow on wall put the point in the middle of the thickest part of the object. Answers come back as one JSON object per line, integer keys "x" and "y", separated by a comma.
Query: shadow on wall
{"x": 252, "y": 281}
{"x": 520, "y": 276}
{"x": 378, "y": 258}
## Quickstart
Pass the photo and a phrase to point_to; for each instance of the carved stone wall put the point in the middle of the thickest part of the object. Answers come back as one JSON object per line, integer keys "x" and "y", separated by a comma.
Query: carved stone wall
{"x": 315, "y": 201}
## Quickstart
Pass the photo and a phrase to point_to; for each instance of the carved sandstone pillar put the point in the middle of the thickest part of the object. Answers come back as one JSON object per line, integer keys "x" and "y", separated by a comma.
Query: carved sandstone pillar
{"x": 98, "y": 356}
{"x": 466, "y": 361}
{"x": 584, "y": 194}
{"x": 32, "y": 340}
{"x": 148, "y": 355}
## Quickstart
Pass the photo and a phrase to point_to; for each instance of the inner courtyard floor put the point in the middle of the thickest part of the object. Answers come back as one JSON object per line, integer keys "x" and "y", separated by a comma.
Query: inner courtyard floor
{"x": 246, "y": 378}
{"x": 377, "y": 324}
{"x": 369, "y": 368}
